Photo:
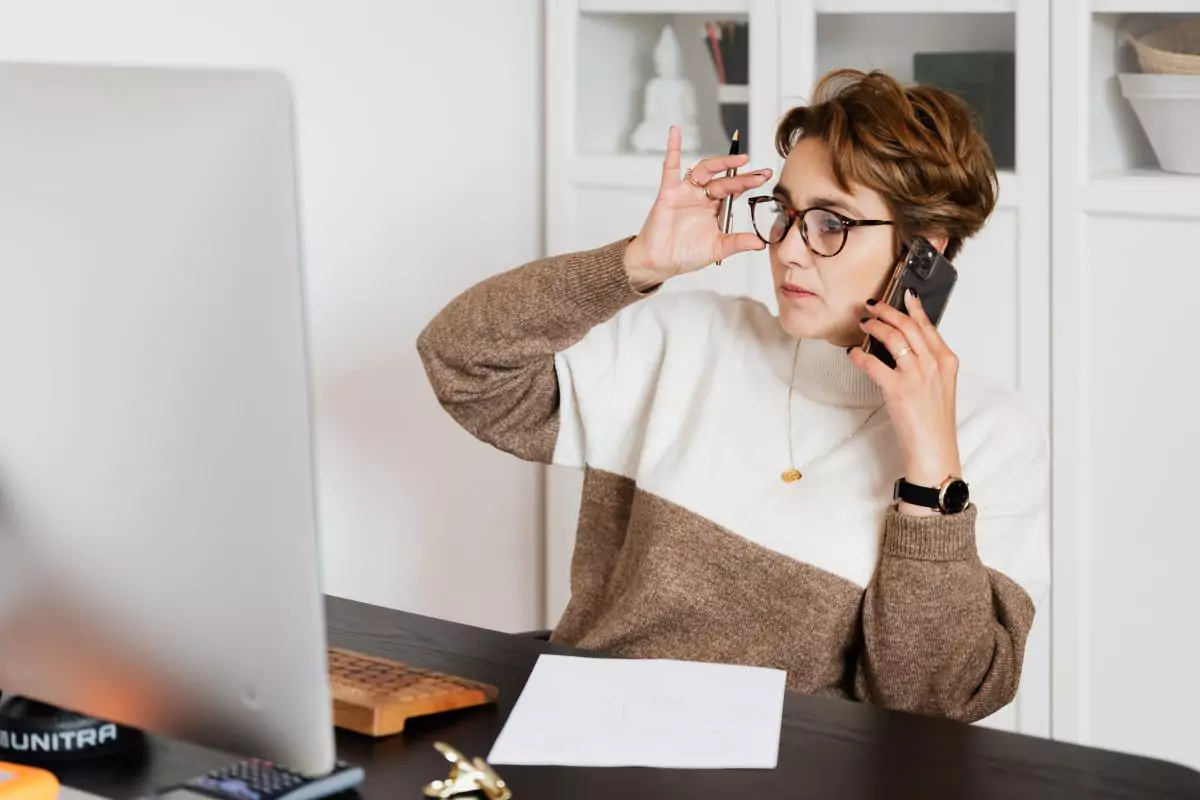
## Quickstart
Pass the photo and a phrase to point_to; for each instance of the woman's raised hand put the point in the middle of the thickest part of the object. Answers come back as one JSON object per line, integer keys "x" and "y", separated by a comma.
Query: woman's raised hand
{"x": 682, "y": 233}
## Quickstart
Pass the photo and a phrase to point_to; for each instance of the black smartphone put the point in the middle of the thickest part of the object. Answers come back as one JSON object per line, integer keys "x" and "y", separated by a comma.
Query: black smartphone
{"x": 927, "y": 272}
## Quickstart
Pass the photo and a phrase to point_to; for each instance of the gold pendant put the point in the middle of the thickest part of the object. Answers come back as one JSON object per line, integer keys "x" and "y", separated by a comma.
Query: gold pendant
{"x": 791, "y": 476}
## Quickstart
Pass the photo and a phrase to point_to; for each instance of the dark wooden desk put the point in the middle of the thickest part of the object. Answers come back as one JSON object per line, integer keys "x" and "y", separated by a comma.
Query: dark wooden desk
{"x": 829, "y": 748}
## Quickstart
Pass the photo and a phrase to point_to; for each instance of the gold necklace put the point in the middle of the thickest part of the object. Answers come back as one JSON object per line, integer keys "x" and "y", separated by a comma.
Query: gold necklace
{"x": 791, "y": 475}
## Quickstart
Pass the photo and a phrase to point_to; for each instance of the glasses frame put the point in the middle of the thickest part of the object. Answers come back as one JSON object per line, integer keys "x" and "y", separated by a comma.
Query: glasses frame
{"x": 796, "y": 219}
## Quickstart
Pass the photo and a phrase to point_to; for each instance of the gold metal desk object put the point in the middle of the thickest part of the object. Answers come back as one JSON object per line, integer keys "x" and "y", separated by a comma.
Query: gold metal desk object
{"x": 466, "y": 777}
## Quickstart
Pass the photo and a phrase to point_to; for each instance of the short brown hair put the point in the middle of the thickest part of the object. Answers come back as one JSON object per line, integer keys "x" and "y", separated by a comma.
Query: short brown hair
{"x": 918, "y": 146}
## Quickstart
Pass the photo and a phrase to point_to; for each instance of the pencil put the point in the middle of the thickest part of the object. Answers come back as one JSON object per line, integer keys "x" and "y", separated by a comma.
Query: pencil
{"x": 735, "y": 148}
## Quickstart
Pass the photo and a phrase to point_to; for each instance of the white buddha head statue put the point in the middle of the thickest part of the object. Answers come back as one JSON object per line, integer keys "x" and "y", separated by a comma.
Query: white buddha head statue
{"x": 668, "y": 57}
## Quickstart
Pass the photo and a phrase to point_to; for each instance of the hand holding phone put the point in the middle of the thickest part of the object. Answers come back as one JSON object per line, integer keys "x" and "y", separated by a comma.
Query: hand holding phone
{"x": 920, "y": 392}
{"x": 927, "y": 272}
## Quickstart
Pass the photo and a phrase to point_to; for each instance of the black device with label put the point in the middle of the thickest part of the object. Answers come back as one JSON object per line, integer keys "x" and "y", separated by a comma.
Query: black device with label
{"x": 32, "y": 732}
{"x": 927, "y": 272}
{"x": 253, "y": 779}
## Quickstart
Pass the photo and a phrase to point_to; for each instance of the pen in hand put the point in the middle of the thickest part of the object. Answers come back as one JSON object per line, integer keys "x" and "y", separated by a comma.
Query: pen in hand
{"x": 726, "y": 216}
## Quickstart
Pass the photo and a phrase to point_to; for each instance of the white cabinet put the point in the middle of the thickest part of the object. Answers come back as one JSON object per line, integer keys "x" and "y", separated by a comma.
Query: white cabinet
{"x": 598, "y": 60}
{"x": 1125, "y": 428}
{"x": 1075, "y": 294}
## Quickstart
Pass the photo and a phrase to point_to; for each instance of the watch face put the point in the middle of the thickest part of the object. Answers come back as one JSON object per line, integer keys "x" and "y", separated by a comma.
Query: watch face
{"x": 956, "y": 497}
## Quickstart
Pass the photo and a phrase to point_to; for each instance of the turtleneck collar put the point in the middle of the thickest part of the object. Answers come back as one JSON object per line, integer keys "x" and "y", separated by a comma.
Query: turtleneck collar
{"x": 825, "y": 374}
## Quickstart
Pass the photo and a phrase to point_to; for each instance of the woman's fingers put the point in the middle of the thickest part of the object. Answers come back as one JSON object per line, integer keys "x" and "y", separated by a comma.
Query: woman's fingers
{"x": 910, "y": 333}
{"x": 720, "y": 188}
{"x": 670, "y": 173}
{"x": 945, "y": 357}
{"x": 883, "y": 376}
{"x": 892, "y": 339}
{"x": 715, "y": 167}
{"x": 734, "y": 243}
{"x": 917, "y": 312}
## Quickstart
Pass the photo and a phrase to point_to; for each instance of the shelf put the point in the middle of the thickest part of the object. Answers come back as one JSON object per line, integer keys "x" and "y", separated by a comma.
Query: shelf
{"x": 889, "y": 41}
{"x": 1145, "y": 6}
{"x": 915, "y": 7}
{"x": 936, "y": 48}
{"x": 1118, "y": 142}
{"x": 1143, "y": 192}
{"x": 664, "y": 7}
{"x": 616, "y": 66}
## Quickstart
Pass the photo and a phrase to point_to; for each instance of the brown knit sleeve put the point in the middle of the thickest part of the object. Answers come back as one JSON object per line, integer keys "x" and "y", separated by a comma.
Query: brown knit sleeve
{"x": 490, "y": 354}
{"x": 943, "y": 634}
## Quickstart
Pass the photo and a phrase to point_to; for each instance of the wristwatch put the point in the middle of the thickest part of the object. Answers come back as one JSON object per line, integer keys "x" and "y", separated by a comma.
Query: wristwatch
{"x": 951, "y": 497}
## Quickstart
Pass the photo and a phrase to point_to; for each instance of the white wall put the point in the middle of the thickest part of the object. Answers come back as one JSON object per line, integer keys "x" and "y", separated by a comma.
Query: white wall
{"x": 420, "y": 160}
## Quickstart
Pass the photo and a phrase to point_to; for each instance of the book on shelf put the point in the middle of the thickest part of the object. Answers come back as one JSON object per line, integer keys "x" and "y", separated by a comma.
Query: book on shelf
{"x": 728, "y": 44}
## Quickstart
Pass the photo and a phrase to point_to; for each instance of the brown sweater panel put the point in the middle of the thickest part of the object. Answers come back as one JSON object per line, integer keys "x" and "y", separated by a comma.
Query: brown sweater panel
{"x": 489, "y": 354}
{"x": 935, "y": 632}
{"x": 651, "y": 579}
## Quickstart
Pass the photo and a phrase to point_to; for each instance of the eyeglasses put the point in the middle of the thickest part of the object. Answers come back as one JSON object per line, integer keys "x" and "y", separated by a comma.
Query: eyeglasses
{"x": 824, "y": 231}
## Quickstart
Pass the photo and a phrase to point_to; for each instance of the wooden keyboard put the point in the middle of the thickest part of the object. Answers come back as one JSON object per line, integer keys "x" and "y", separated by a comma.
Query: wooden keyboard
{"x": 375, "y": 696}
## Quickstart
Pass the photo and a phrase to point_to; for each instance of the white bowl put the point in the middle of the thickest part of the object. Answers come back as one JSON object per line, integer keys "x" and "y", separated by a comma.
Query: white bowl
{"x": 1168, "y": 106}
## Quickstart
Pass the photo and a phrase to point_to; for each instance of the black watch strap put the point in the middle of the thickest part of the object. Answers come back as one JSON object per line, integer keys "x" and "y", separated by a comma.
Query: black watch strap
{"x": 924, "y": 496}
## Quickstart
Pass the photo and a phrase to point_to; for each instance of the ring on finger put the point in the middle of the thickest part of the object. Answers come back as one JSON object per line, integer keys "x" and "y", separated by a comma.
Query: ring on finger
{"x": 691, "y": 178}
{"x": 902, "y": 352}
{"x": 707, "y": 193}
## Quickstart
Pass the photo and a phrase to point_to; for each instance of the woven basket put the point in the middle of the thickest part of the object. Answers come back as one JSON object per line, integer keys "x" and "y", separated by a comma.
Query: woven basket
{"x": 1173, "y": 50}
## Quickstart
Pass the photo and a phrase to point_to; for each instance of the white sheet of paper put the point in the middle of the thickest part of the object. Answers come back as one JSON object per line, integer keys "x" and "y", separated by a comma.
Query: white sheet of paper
{"x": 599, "y": 712}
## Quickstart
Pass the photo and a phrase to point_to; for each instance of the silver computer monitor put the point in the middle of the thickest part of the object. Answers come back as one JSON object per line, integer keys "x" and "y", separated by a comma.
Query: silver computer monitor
{"x": 158, "y": 538}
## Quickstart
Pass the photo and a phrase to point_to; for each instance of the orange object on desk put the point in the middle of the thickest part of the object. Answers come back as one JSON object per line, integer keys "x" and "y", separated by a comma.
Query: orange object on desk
{"x": 376, "y": 696}
{"x": 18, "y": 782}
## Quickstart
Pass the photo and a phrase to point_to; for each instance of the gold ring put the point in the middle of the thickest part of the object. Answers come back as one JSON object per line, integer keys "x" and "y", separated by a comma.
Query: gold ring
{"x": 902, "y": 352}
{"x": 692, "y": 180}
{"x": 706, "y": 194}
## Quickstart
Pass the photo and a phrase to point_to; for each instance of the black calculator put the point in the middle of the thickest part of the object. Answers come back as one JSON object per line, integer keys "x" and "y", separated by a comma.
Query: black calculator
{"x": 254, "y": 779}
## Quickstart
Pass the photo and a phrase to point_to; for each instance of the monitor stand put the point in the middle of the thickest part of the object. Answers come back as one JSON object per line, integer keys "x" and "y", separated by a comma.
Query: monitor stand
{"x": 33, "y": 732}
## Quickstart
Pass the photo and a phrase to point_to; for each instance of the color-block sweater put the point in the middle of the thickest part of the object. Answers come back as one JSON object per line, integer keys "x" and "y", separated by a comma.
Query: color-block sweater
{"x": 689, "y": 545}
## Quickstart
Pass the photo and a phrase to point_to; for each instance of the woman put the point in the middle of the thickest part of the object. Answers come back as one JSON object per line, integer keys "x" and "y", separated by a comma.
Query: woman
{"x": 684, "y": 411}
